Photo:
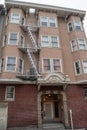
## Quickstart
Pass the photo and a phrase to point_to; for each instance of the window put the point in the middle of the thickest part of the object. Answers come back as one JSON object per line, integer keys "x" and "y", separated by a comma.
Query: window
{"x": 23, "y": 21}
{"x": 70, "y": 28}
{"x": 4, "y": 40}
{"x": 54, "y": 41}
{"x": 1, "y": 64}
{"x": 46, "y": 65}
{"x": 85, "y": 66}
{"x": 77, "y": 25}
{"x": 73, "y": 45}
{"x": 10, "y": 93}
{"x": 56, "y": 65}
{"x": 15, "y": 18}
{"x": 51, "y": 65}
{"x": 11, "y": 64}
{"x": 82, "y": 44}
{"x": 85, "y": 91}
{"x": 52, "y": 22}
{"x": 13, "y": 39}
{"x": 45, "y": 41}
{"x": 20, "y": 65}
{"x": 22, "y": 41}
{"x": 77, "y": 67}
{"x": 44, "y": 21}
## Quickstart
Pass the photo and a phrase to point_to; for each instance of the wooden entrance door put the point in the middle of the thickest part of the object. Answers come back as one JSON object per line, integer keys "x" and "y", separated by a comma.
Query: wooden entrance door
{"x": 48, "y": 110}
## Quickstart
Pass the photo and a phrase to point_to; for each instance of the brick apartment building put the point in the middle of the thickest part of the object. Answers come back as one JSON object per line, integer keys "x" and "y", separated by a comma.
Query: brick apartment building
{"x": 43, "y": 65}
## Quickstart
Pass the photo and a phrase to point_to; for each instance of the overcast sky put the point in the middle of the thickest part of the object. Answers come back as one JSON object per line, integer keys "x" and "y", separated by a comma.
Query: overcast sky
{"x": 76, "y": 4}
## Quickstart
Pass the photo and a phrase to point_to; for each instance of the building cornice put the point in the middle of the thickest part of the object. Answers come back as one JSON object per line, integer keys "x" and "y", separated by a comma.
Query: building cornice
{"x": 61, "y": 11}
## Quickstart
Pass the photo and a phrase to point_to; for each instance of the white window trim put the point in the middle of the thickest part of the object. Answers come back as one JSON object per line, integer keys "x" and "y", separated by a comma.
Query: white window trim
{"x": 83, "y": 65}
{"x": 51, "y": 65}
{"x": 11, "y": 18}
{"x": 41, "y": 21}
{"x": 6, "y": 65}
{"x": 80, "y": 25}
{"x": 9, "y": 99}
{"x": 75, "y": 68}
{"x": 24, "y": 20}
{"x": 84, "y": 42}
{"x": 48, "y": 41}
{"x": 68, "y": 26}
{"x": 54, "y": 20}
{"x": 23, "y": 39}
{"x": 22, "y": 65}
{"x": 3, "y": 41}
{"x": 17, "y": 38}
{"x": 58, "y": 44}
{"x": 76, "y": 45}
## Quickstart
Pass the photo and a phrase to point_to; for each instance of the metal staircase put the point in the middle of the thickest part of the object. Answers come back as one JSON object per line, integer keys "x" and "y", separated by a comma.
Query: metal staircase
{"x": 32, "y": 61}
{"x": 32, "y": 38}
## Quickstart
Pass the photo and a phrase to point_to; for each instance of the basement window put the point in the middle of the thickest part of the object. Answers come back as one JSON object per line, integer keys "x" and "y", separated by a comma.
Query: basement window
{"x": 10, "y": 93}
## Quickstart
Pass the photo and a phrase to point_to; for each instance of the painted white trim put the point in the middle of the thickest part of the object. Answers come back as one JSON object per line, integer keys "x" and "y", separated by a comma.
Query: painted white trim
{"x": 11, "y": 18}
{"x": 23, "y": 40}
{"x": 41, "y": 21}
{"x": 83, "y": 65}
{"x": 79, "y": 23}
{"x": 80, "y": 67}
{"x": 9, "y": 99}
{"x": 84, "y": 43}
{"x": 22, "y": 65}
{"x": 68, "y": 26}
{"x": 17, "y": 38}
{"x": 10, "y": 71}
{"x": 75, "y": 44}
{"x": 51, "y": 65}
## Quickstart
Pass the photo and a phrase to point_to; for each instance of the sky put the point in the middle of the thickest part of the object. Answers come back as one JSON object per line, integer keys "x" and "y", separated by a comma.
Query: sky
{"x": 75, "y": 4}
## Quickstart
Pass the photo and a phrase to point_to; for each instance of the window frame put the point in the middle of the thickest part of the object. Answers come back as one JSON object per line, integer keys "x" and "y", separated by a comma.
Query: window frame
{"x": 12, "y": 21}
{"x": 81, "y": 44}
{"x": 51, "y": 65}
{"x": 71, "y": 26}
{"x": 80, "y": 25}
{"x": 79, "y": 67}
{"x": 23, "y": 40}
{"x": 22, "y": 65}
{"x": 74, "y": 45}
{"x": 42, "y": 41}
{"x": 55, "y": 22}
{"x": 84, "y": 66}
{"x": 4, "y": 40}
{"x": 6, "y": 93}
{"x": 13, "y": 39}
{"x": 42, "y": 21}
{"x": 7, "y": 62}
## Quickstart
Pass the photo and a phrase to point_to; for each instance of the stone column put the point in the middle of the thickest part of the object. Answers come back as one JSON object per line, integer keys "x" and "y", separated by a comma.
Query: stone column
{"x": 39, "y": 110}
{"x": 66, "y": 119}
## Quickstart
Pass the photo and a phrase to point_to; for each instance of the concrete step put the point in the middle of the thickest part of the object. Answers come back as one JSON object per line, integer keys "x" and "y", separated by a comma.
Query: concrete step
{"x": 53, "y": 126}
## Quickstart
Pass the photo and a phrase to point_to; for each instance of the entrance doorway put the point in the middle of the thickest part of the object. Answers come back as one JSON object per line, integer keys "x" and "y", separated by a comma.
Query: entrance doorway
{"x": 3, "y": 116}
{"x": 51, "y": 107}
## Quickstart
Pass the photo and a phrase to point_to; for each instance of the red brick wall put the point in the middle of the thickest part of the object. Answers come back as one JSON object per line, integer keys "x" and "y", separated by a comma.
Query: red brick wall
{"x": 78, "y": 104}
{"x": 22, "y": 111}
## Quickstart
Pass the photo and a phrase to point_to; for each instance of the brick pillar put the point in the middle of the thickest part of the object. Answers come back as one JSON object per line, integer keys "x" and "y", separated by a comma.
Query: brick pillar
{"x": 66, "y": 119}
{"x": 39, "y": 110}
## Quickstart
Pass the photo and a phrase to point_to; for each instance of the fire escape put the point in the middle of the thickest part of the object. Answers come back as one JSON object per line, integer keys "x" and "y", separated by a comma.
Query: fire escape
{"x": 32, "y": 73}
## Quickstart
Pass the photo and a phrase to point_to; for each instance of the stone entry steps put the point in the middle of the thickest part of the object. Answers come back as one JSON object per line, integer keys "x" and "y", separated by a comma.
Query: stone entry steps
{"x": 53, "y": 126}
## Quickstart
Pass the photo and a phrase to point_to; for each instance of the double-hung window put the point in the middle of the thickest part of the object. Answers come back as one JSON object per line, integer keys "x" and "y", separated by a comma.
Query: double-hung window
{"x": 77, "y": 67}
{"x": 85, "y": 66}
{"x": 20, "y": 66}
{"x": 4, "y": 40}
{"x": 44, "y": 21}
{"x": 51, "y": 65}
{"x": 73, "y": 45}
{"x": 54, "y": 41}
{"x": 13, "y": 39}
{"x": 52, "y": 22}
{"x": 85, "y": 91}
{"x": 70, "y": 27}
{"x": 22, "y": 41}
{"x": 82, "y": 44}
{"x": 10, "y": 93}
{"x": 46, "y": 65}
{"x": 56, "y": 65}
{"x": 15, "y": 18}
{"x": 11, "y": 64}
{"x": 77, "y": 25}
{"x": 45, "y": 41}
